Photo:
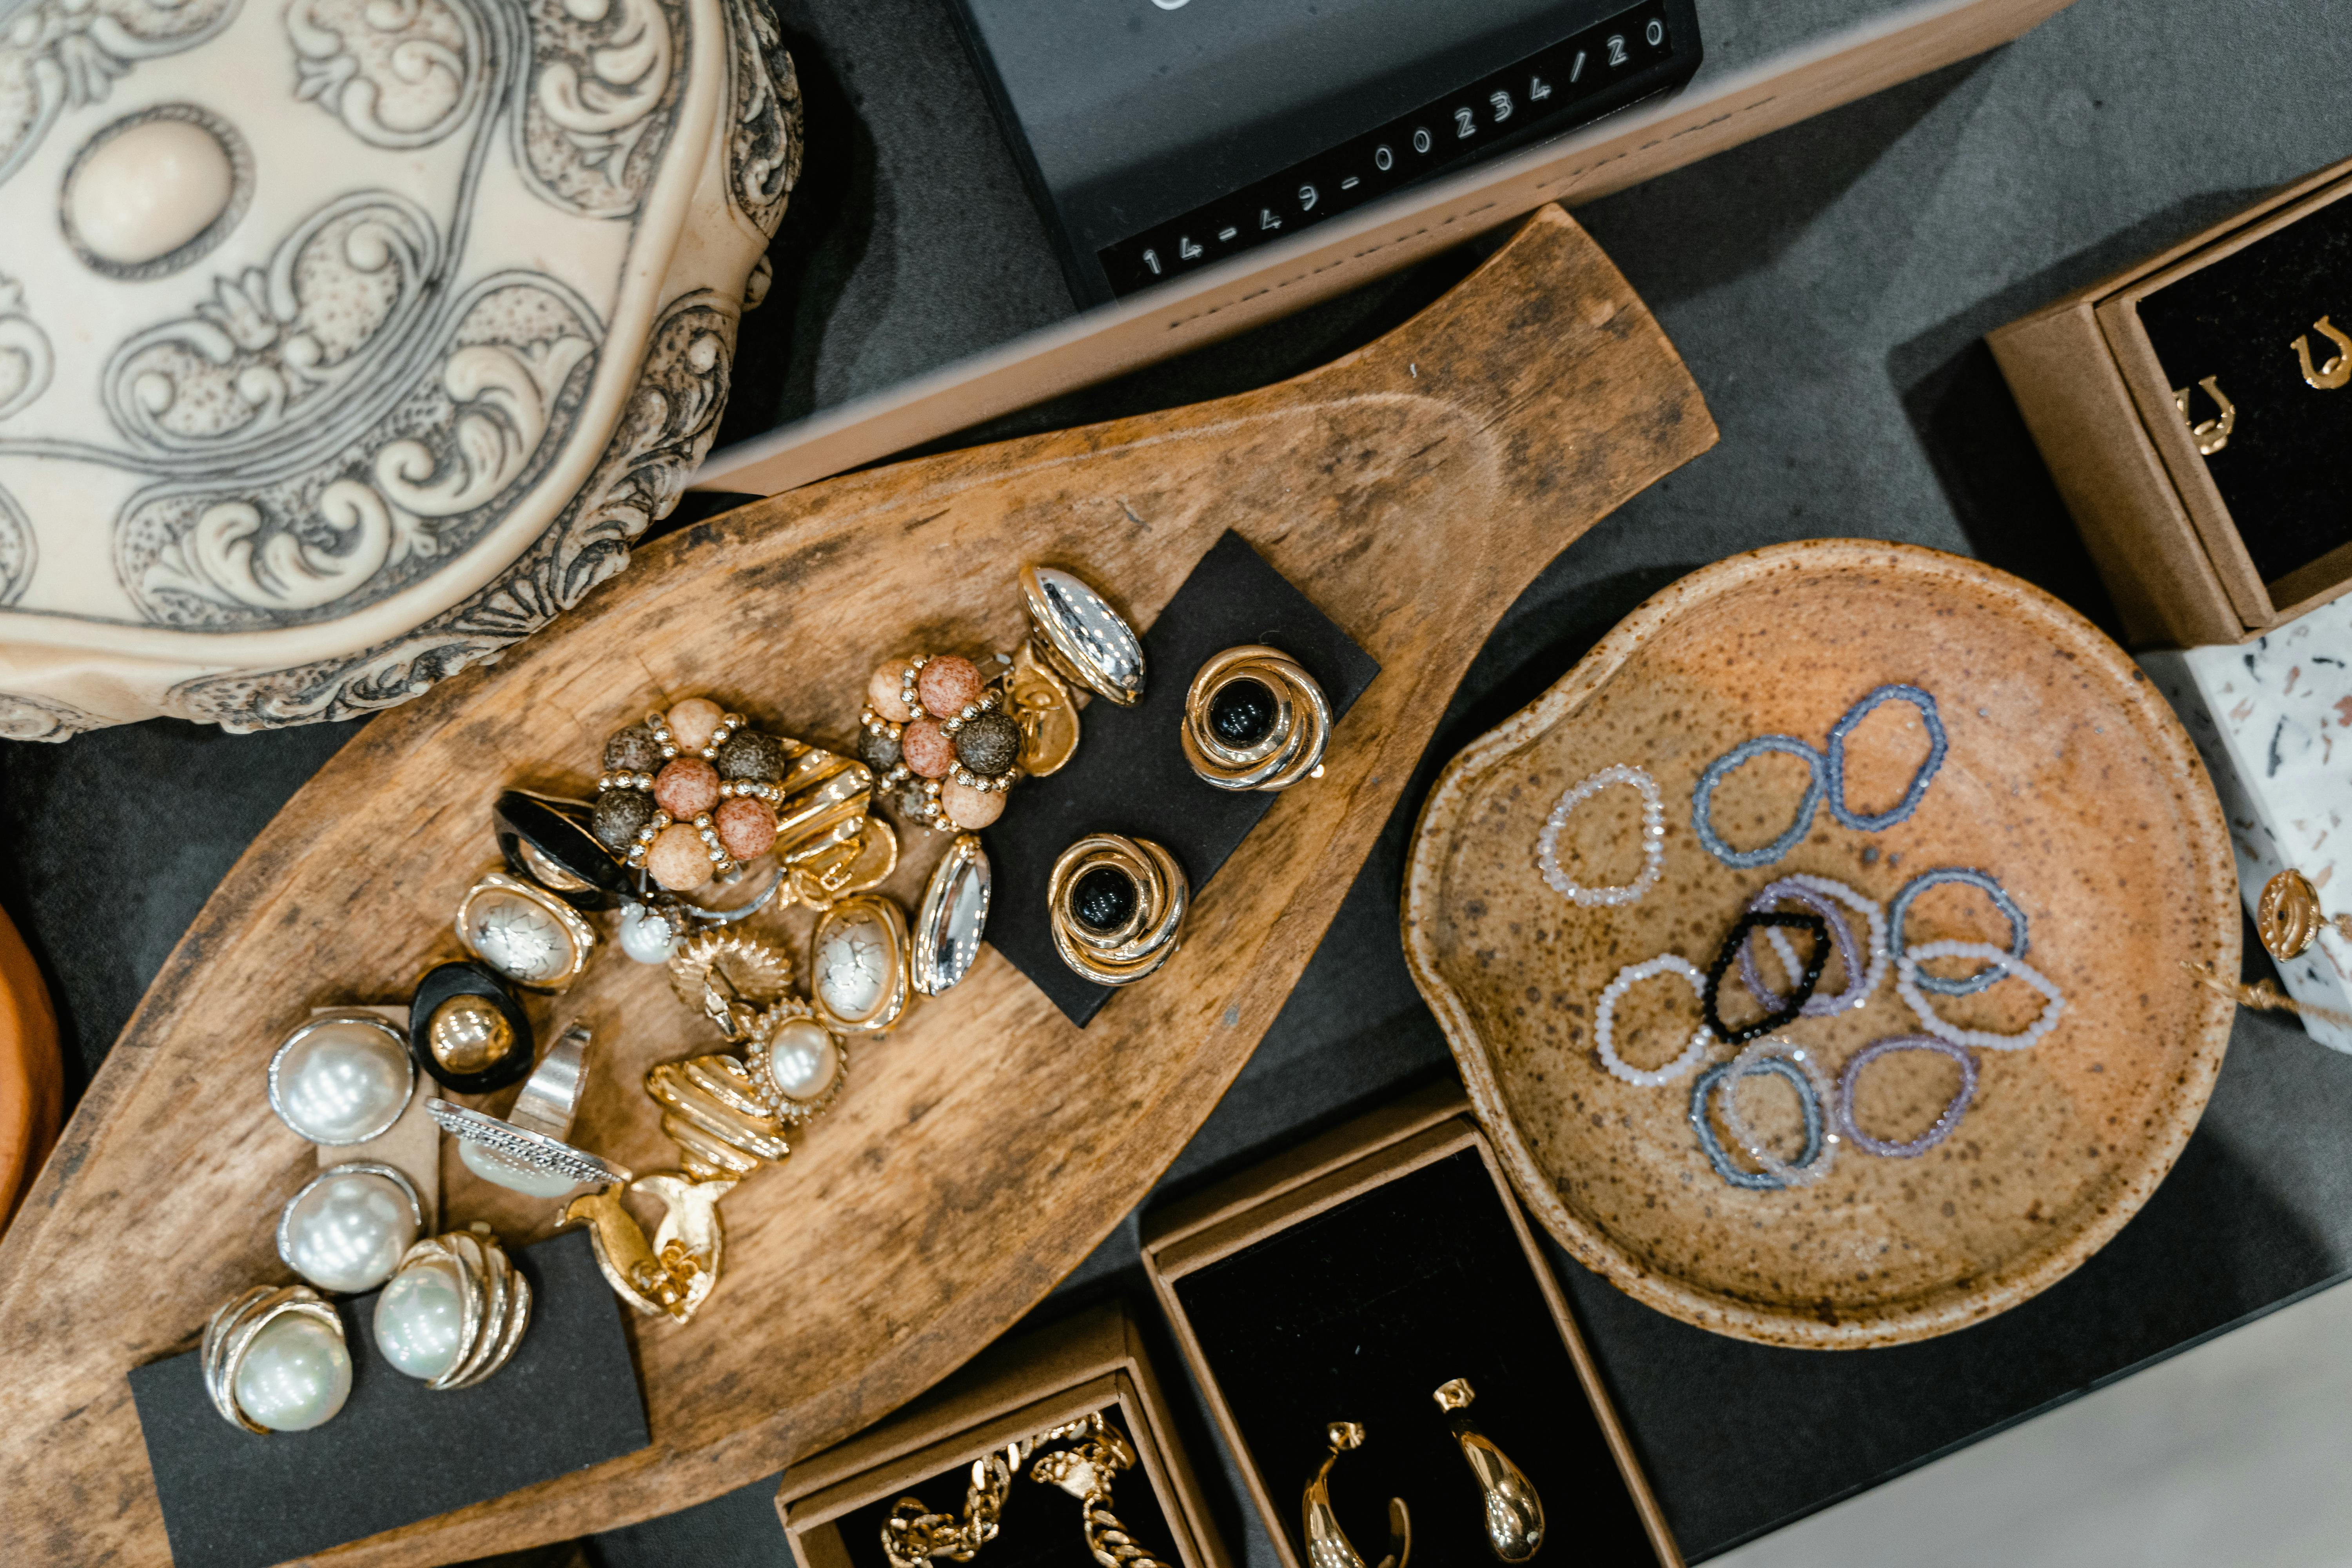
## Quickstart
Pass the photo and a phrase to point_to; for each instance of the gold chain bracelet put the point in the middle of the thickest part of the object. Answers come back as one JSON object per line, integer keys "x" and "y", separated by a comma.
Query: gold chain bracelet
{"x": 914, "y": 1537}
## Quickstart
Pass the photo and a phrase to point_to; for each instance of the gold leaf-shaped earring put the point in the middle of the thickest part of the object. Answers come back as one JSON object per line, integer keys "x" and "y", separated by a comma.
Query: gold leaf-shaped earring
{"x": 1514, "y": 1513}
{"x": 1326, "y": 1544}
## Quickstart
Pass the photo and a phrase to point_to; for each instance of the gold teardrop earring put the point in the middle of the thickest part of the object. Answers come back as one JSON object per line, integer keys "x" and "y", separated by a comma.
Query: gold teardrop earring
{"x": 1514, "y": 1513}
{"x": 1326, "y": 1544}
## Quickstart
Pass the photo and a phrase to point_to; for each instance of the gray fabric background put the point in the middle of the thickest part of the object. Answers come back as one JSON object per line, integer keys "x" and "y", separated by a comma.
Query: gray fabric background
{"x": 1829, "y": 287}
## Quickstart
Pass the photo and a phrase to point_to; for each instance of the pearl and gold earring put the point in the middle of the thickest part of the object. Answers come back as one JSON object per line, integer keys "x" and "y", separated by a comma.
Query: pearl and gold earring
{"x": 274, "y": 1360}
{"x": 454, "y": 1310}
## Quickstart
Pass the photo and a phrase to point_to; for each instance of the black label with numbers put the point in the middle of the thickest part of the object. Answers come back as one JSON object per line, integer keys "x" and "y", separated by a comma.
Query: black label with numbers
{"x": 1542, "y": 89}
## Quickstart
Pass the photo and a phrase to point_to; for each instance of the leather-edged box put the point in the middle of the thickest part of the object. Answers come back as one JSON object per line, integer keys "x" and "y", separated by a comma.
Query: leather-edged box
{"x": 2139, "y": 470}
{"x": 833, "y": 1503}
{"x": 1348, "y": 1278}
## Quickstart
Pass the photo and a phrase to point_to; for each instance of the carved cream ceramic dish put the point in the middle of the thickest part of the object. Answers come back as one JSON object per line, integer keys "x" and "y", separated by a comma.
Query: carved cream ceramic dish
{"x": 2066, "y": 777}
{"x": 344, "y": 341}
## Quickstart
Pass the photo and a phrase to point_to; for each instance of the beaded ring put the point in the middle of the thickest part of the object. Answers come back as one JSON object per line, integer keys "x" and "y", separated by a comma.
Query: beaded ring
{"x": 1967, "y": 985}
{"x": 1907, "y": 976}
{"x": 1605, "y": 1016}
{"x": 1896, "y": 693}
{"x": 1730, "y": 762}
{"x": 1949, "y": 1118}
{"x": 1815, "y": 1162}
{"x": 1817, "y": 894}
{"x": 1653, "y": 836}
{"x": 1754, "y": 920}
{"x": 1808, "y": 1097}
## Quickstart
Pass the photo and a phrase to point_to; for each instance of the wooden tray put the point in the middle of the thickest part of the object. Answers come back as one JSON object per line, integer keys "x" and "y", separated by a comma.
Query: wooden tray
{"x": 2067, "y": 779}
{"x": 32, "y": 1078}
{"x": 1412, "y": 490}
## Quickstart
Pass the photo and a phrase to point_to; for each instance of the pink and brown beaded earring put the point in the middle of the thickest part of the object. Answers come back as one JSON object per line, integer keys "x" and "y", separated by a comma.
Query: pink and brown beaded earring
{"x": 950, "y": 735}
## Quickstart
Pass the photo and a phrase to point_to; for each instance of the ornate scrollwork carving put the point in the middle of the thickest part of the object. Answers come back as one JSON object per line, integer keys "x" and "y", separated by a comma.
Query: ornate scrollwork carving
{"x": 43, "y": 719}
{"x": 343, "y": 292}
{"x": 417, "y": 487}
{"x": 57, "y": 55}
{"x": 763, "y": 144}
{"x": 604, "y": 80}
{"x": 664, "y": 431}
{"x": 18, "y": 551}
{"x": 25, "y": 358}
{"x": 398, "y": 73}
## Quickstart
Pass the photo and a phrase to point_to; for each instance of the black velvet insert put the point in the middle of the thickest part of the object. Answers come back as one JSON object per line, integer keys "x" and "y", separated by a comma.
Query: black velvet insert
{"x": 1359, "y": 1314}
{"x": 1040, "y": 1523}
{"x": 1130, "y": 775}
{"x": 397, "y": 1452}
{"x": 2236, "y": 321}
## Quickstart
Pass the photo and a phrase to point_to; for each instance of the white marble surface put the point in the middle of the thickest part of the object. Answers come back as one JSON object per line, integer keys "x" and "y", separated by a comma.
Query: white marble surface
{"x": 2239, "y": 1451}
{"x": 2274, "y": 720}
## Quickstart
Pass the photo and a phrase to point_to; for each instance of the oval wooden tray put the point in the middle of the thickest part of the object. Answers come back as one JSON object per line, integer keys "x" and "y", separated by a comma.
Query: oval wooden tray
{"x": 2067, "y": 779}
{"x": 1411, "y": 491}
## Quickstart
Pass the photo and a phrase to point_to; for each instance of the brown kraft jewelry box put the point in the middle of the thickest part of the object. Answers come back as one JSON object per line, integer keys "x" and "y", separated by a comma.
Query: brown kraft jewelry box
{"x": 832, "y": 1503}
{"x": 2088, "y": 381}
{"x": 1348, "y": 1278}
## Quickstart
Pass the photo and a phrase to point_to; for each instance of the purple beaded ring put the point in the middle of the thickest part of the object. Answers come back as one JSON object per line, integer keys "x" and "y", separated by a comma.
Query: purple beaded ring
{"x": 1821, "y": 895}
{"x": 1952, "y": 1113}
{"x": 1894, "y": 692}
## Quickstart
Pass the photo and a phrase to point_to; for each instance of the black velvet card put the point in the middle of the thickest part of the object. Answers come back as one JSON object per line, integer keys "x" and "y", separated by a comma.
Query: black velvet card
{"x": 1130, "y": 775}
{"x": 2236, "y": 321}
{"x": 397, "y": 1452}
{"x": 1359, "y": 1314}
{"x": 1040, "y": 1523}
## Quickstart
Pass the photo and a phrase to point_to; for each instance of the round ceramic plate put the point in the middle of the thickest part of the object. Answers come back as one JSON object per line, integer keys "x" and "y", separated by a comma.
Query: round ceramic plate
{"x": 2066, "y": 779}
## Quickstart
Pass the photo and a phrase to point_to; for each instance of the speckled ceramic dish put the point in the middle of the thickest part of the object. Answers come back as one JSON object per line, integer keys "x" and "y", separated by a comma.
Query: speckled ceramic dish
{"x": 2067, "y": 778}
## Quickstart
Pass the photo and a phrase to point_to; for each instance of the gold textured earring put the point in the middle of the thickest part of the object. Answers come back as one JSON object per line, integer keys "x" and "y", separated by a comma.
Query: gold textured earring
{"x": 1326, "y": 1544}
{"x": 2338, "y": 368}
{"x": 2210, "y": 434}
{"x": 1515, "y": 1519}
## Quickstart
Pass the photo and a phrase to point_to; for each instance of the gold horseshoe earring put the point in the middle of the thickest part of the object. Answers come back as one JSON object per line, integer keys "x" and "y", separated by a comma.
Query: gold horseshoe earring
{"x": 2338, "y": 368}
{"x": 1514, "y": 1513}
{"x": 1326, "y": 1544}
{"x": 2210, "y": 434}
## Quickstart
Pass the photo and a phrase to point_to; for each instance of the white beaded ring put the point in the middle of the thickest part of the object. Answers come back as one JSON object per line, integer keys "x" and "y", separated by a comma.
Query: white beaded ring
{"x": 1882, "y": 957}
{"x": 1746, "y": 1065}
{"x": 1605, "y": 1014}
{"x": 1653, "y": 836}
{"x": 1907, "y": 984}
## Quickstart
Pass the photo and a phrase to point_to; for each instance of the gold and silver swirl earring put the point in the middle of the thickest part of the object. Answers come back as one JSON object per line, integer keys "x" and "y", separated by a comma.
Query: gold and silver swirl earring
{"x": 1255, "y": 720}
{"x": 1328, "y": 1545}
{"x": 1116, "y": 907}
{"x": 1513, "y": 1512}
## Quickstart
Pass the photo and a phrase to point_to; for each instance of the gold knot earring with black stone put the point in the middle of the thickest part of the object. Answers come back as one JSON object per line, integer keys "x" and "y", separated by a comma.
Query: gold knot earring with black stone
{"x": 1116, "y": 907}
{"x": 1255, "y": 720}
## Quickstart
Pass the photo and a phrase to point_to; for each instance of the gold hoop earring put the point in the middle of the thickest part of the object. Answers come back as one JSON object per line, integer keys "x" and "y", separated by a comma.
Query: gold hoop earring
{"x": 1328, "y": 1545}
{"x": 2338, "y": 368}
{"x": 1514, "y": 1513}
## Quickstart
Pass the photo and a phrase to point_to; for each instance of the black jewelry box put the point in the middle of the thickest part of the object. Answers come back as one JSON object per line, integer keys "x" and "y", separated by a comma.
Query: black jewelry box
{"x": 1349, "y": 1279}
{"x": 833, "y": 1504}
{"x": 2191, "y": 409}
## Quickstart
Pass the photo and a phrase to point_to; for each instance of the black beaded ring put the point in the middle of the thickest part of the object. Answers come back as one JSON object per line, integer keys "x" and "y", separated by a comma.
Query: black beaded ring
{"x": 1794, "y": 1006}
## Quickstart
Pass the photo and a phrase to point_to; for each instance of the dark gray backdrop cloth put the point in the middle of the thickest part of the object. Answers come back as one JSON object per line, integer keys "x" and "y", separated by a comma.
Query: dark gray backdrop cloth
{"x": 1829, "y": 286}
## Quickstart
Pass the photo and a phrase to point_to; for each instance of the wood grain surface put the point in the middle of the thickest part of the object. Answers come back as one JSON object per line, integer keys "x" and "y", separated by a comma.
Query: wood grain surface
{"x": 2067, "y": 779}
{"x": 1412, "y": 490}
